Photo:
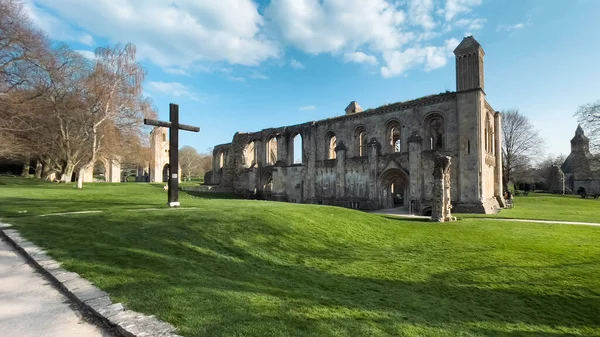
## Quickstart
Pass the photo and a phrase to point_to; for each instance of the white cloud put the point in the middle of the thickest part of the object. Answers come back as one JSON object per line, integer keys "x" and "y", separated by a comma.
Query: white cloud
{"x": 308, "y": 108}
{"x": 336, "y": 25}
{"x": 55, "y": 27}
{"x": 259, "y": 76}
{"x": 90, "y": 55}
{"x": 174, "y": 34}
{"x": 456, "y": 7}
{"x": 235, "y": 78}
{"x": 510, "y": 28}
{"x": 176, "y": 71}
{"x": 430, "y": 57}
{"x": 420, "y": 13}
{"x": 173, "y": 89}
{"x": 296, "y": 64}
{"x": 187, "y": 36}
{"x": 471, "y": 24}
{"x": 360, "y": 57}
{"x": 398, "y": 32}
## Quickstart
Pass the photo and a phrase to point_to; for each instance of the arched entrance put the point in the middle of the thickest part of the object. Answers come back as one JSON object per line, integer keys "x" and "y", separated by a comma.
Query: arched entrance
{"x": 394, "y": 188}
{"x": 165, "y": 173}
{"x": 266, "y": 183}
{"x": 99, "y": 172}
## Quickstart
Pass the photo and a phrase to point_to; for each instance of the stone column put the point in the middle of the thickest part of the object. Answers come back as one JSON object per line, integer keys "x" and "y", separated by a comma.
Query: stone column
{"x": 557, "y": 180}
{"x": 373, "y": 148}
{"x": 282, "y": 149}
{"x": 440, "y": 209}
{"x": 309, "y": 144}
{"x": 415, "y": 143}
{"x": 498, "y": 188}
{"x": 340, "y": 170}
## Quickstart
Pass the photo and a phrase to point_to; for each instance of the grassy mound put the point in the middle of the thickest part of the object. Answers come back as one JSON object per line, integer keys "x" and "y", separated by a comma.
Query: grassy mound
{"x": 252, "y": 268}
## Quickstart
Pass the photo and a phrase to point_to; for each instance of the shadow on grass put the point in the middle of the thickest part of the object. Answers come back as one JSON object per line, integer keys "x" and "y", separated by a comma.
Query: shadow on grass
{"x": 16, "y": 207}
{"x": 409, "y": 219}
{"x": 209, "y": 195}
{"x": 234, "y": 278}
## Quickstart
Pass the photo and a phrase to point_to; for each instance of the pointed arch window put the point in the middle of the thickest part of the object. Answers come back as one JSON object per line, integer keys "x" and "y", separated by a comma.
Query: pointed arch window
{"x": 435, "y": 130}
{"x": 272, "y": 150}
{"x": 250, "y": 154}
{"x": 395, "y": 138}
{"x": 221, "y": 159}
{"x": 360, "y": 141}
{"x": 331, "y": 144}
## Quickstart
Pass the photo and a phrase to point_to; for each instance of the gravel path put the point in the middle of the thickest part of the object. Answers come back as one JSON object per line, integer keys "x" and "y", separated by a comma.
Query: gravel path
{"x": 31, "y": 306}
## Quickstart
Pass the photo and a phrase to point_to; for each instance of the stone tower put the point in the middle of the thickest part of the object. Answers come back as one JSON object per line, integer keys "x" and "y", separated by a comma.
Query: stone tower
{"x": 159, "y": 146}
{"x": 469, "y": 65}
{"x": 580, "y": 143}
{"x": 479, "y": 128}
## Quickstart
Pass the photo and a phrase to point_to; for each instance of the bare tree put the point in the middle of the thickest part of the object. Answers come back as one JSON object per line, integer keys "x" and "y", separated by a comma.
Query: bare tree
{"x": 588, "y": 115}
{"x": 190, "y": 161}
{"x": 521, "y": 144}
{"x": 22, "y": 49}
{"x": 114, "y": 100}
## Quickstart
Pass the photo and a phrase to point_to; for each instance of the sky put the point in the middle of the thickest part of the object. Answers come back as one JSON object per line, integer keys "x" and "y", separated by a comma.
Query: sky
{"x": 246, "y": 65}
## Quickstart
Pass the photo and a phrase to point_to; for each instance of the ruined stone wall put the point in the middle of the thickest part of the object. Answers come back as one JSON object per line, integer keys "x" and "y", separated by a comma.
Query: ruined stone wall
{"x": 354, "y": 180}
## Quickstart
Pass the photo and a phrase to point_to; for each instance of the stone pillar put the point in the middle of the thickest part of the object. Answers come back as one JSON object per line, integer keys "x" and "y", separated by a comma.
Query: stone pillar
{"x": 415, "y": 143}
{"x": 38, "y": 169}
{"x": 441, "y": 207}
{"x": 282, "y": 149}
{"x": 340, "y": 170}
{"x": 557, "y": 180}
{"x": 373, "y": 148}
{"x": 309, "y": 144}
{"x": 115, "y": 171}
{"x": 498, "y": 186}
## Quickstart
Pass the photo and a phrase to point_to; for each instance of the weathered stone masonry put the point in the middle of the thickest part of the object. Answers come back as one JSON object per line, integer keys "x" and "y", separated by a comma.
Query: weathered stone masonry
{"x": 378, "y": 158}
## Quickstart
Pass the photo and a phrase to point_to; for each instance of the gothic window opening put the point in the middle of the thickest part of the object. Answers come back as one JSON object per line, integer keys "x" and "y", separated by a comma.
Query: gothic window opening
{"x": 362, "y": 143}
{"x": 331, "y": 144}
{"x": 296, "y": 150}
{"x": 489, "y": 136}
{"x": 272, "y": 150}
{"x": 250, "y": 155}
{"x": 360, "y": 137}
{"x": 221, "y": 159}
{"x": 435, "y": 133}
{"x": 395, "y": 139}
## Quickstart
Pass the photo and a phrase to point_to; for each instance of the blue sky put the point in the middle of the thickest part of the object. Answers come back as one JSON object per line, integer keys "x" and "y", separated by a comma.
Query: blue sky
{"x": 242, "y": 65}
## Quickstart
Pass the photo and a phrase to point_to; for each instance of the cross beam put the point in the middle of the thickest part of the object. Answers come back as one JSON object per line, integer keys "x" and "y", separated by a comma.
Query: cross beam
{"x": 174, "y": 127}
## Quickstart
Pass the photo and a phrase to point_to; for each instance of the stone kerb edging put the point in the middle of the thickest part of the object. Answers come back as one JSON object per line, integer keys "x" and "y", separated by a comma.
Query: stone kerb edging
{"x": 127, "y": 323}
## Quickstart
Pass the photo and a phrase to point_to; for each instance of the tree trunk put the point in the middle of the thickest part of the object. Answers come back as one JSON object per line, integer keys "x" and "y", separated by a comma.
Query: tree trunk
{"x": 38, "y": 169}
{"x": 67, "y": 173}
{"x": 80, "y": 177}
{"x": 26, "y": 166}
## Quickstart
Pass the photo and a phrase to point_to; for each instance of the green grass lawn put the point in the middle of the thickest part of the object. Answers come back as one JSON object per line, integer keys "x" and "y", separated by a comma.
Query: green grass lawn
{"x": 253, "y": 268}
{"x": 539, "y": 206}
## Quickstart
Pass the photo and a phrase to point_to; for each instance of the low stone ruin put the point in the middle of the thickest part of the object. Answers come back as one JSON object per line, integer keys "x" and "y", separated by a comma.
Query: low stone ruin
{"x": 440, "y": 210}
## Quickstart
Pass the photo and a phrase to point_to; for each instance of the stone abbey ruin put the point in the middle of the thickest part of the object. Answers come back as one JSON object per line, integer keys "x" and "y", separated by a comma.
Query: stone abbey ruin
{"x": 378, "y": 158}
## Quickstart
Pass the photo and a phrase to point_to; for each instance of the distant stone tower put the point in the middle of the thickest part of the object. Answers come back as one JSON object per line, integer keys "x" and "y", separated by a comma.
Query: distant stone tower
{"x": 469, "y": 65}
{"x": 582, "y": 171}
{"x": 580, "y": 143}
{"x": 159, "y": 145}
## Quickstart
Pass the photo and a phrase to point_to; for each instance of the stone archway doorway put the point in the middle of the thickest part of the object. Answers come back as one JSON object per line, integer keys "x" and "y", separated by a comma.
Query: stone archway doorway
{"x": 165, "y": 173}
{"x": 266, "y": 183}
{"x": 394, "y": 189}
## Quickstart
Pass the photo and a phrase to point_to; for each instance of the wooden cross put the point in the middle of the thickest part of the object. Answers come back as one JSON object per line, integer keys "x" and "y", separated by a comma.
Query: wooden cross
{"x": 174, "y": 127}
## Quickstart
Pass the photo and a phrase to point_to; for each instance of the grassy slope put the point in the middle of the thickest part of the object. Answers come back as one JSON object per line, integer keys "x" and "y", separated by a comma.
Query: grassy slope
{"x": 539, "y": 206}
{"x": 250, "y": 268}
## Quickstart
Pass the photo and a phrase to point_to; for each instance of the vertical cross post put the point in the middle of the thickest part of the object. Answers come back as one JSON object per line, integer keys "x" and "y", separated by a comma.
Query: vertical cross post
{"x": 174, "y": 127}
{"x": 174, "y": 155}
